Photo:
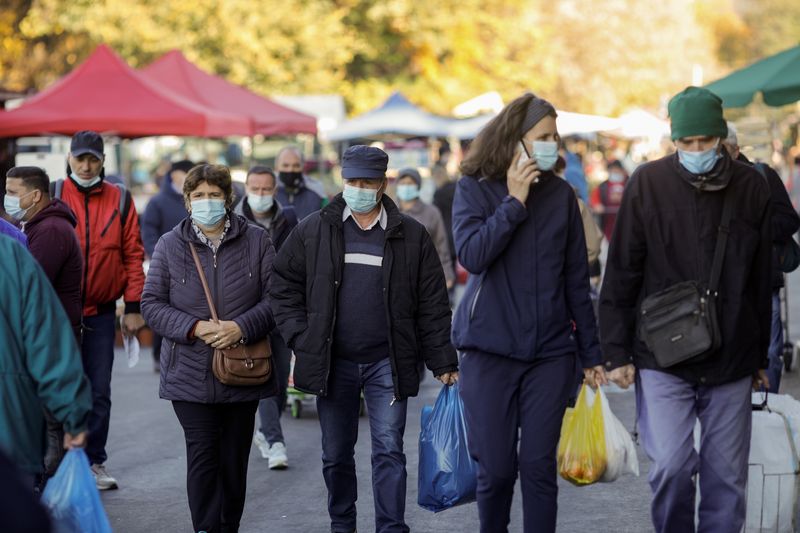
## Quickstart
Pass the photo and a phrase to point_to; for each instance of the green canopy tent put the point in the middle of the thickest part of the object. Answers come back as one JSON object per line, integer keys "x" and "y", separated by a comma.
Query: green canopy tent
{"x": 776, "y": 77}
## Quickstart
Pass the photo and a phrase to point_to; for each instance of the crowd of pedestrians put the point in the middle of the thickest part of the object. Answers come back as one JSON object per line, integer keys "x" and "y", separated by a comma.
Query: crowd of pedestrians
{"x": 354, "y": 292}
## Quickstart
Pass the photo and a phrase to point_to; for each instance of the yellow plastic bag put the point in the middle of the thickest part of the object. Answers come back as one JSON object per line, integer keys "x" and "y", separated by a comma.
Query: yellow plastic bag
{"x": 582, "y": 449}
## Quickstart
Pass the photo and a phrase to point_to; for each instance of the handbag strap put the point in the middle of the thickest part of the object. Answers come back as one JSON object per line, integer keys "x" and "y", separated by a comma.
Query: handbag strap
{"x": 722, "y": 242}
{"x": 204, "y": 282}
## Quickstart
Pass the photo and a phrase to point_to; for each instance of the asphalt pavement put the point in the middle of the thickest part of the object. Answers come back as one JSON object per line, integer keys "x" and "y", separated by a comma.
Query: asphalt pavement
{"x": 148, "y": 458}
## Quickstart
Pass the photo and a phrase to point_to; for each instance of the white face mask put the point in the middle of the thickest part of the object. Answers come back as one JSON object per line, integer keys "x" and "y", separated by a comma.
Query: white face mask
{"x": 260, "y": 204}
{"x": 85, "y": 183}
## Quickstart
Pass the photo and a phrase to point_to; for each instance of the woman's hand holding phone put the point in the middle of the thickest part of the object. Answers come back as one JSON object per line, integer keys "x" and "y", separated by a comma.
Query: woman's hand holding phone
{"x": 520, "y": 175}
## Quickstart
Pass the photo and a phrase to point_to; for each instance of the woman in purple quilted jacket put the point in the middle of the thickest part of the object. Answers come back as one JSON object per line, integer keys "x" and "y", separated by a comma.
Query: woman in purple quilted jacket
{"x": 217, "y": 419}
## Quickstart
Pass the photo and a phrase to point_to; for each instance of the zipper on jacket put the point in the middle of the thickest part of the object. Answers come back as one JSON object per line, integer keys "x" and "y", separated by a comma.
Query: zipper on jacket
{"x": 86, "y": 254}
{"x": 108, "y": 224}
{"x": 172, "y": 359}
{"x": 336, "y": 283}
{"x": 219, "y": 313}
{"x": 392, "y": 361}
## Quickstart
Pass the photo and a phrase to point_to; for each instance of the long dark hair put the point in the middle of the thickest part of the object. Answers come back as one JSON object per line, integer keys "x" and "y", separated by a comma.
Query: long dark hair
{"x": 492, "y": 151}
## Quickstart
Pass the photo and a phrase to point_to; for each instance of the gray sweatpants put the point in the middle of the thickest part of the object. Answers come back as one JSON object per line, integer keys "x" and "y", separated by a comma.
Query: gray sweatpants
{"x": 668, "y": 408}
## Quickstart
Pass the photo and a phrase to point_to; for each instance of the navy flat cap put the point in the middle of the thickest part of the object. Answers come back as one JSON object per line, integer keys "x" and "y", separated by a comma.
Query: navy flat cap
{"x": 364, "y": 162}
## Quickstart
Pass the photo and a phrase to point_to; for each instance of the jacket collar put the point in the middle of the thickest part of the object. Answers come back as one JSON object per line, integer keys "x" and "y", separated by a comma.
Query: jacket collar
{"x": 94, "y": 189}
{"x": 238, "y": 228}
{"x": 333, "y": 213}
{"x": 56, "y": 208}
{"x": 716, "y": 180}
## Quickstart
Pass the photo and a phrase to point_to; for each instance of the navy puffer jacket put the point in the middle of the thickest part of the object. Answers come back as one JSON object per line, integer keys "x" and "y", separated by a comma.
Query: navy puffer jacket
{"x": 173, "y": 301}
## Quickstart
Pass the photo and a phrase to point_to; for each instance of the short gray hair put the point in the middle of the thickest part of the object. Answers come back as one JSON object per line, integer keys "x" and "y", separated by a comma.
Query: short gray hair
{"x": 732, "y": 139}
{"x": 290, "y": 148}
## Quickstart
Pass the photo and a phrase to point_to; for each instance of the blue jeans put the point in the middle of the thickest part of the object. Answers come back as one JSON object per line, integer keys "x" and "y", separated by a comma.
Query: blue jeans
{"x": 667, "y": 409}
{"x": 338, "y": 419}
{"x": 270, "y": 409}
{"x": 775, "y": 368}
{"x": 97, "y": 351}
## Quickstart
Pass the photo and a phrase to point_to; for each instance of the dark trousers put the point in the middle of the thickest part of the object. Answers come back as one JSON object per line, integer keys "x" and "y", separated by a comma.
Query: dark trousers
{"x": 270, "y": 409}
{"x": 510, "y": 403}
{"x": 338, "y": 418}
{"x": 97, "y": 351}
{"x": 217, "y": 452}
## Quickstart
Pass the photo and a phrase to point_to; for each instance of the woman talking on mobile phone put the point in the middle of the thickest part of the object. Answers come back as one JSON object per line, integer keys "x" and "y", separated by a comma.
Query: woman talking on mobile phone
{"x": 526, "y": 318}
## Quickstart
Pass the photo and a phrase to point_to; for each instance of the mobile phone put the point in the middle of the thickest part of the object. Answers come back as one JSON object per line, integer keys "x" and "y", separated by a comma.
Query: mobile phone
{"x": 523, "y": 156}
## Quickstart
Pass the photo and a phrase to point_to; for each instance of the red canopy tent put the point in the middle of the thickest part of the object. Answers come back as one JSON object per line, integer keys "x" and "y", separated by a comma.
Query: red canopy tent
{"x": 176, "y": 72}
{"x": 106, "y": 95}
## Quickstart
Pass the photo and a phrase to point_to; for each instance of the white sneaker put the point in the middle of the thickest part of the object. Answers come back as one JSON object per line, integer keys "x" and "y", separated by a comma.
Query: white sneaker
{"x": 103, "y": 479}
{"x": 277, "y": 457}
{"x": 262, "y": 444}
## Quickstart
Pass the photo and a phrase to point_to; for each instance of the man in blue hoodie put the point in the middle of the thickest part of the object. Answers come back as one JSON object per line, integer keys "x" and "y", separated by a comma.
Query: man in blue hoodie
{"x": 164, "y": 211}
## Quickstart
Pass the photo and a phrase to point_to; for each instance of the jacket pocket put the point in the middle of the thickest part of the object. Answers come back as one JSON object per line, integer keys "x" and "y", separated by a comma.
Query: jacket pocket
{"x": 474, "y": 304}
{"x": 108, "y": 224}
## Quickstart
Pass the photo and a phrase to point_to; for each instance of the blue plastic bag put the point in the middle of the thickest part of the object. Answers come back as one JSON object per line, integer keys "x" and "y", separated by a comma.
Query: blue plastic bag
{"x": 73, "y": 499}
{"x": 447, "y": 474}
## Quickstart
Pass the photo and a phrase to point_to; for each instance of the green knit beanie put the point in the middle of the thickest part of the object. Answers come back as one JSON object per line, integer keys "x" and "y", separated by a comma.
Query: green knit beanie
{"x": 696, "y": 111}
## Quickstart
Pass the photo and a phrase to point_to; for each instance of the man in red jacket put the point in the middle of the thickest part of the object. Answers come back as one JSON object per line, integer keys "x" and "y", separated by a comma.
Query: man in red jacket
{"x": 108, "y": 231}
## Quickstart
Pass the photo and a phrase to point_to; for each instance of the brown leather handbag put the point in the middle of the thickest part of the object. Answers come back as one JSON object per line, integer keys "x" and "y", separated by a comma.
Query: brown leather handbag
{"x": 241, "y": 364}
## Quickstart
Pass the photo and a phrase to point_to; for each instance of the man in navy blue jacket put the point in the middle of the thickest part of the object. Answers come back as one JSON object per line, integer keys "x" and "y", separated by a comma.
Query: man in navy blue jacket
{"x": 164, "y": 211}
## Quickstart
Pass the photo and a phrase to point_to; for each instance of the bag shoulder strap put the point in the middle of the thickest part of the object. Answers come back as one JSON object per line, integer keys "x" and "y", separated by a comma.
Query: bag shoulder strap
{"x": 124, "y": 202}
{"x": 761, "y": 169}
{"x": 722, "y": 242}
{"x": 204, "y": 282}
{"x": 57, "y": 188}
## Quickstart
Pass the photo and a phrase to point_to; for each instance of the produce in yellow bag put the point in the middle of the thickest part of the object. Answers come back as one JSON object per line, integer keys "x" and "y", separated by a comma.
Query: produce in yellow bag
{"x": 582, "y": 449}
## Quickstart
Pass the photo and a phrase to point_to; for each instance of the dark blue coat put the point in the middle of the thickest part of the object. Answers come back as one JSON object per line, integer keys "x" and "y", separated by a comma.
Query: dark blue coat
{"x": 305, "y": 201}
{"x": 173, "y": 301}
{"x": 530, "y": 273}
{"x": 164, "y": 211}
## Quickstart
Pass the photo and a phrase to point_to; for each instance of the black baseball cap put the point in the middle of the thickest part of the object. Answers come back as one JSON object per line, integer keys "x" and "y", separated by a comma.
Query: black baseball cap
{"x": 87, "y": 142}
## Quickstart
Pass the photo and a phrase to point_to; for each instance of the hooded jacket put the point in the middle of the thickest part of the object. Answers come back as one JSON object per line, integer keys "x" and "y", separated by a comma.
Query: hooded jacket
{"x": 307, "y": 277}
{"x": 52, "y": 241}
{"x": 40, "y": 363}
{"x": 173, "y": 301}
{"x": 666, "y": 233}
{"x": 112, "y": 251}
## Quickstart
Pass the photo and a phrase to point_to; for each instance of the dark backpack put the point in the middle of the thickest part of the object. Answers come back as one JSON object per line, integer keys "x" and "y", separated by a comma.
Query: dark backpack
{"x": 57, "y": 189}
{"x": 787, "y": 253}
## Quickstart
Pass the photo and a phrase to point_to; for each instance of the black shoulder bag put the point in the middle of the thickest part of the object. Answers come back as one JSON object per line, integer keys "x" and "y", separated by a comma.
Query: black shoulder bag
{"x": 680, "y": 323}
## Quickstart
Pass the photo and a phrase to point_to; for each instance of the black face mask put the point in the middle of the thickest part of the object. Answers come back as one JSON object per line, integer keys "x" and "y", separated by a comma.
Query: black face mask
{"x": 291, "y": 180}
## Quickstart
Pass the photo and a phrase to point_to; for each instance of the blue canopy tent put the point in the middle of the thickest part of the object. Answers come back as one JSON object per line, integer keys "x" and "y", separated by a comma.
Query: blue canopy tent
{"x": 396, "y": 116}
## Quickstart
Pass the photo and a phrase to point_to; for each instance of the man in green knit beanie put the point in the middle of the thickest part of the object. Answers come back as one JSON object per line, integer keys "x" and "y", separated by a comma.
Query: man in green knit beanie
{"x": 666, "y": 234}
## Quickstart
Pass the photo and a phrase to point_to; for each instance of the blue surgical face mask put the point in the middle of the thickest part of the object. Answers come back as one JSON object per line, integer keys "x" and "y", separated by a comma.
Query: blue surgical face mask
{"x": 85, "y": 183}
{"x": 11, "y": 205}
{"x": 360, "y": 200}
{"x": 260, "y": 204}
{"x": 208, "y": 212}
{"x": 407, "y": 192}
{"x": 699, "y": 162}
{"x": 545, "y": 153}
